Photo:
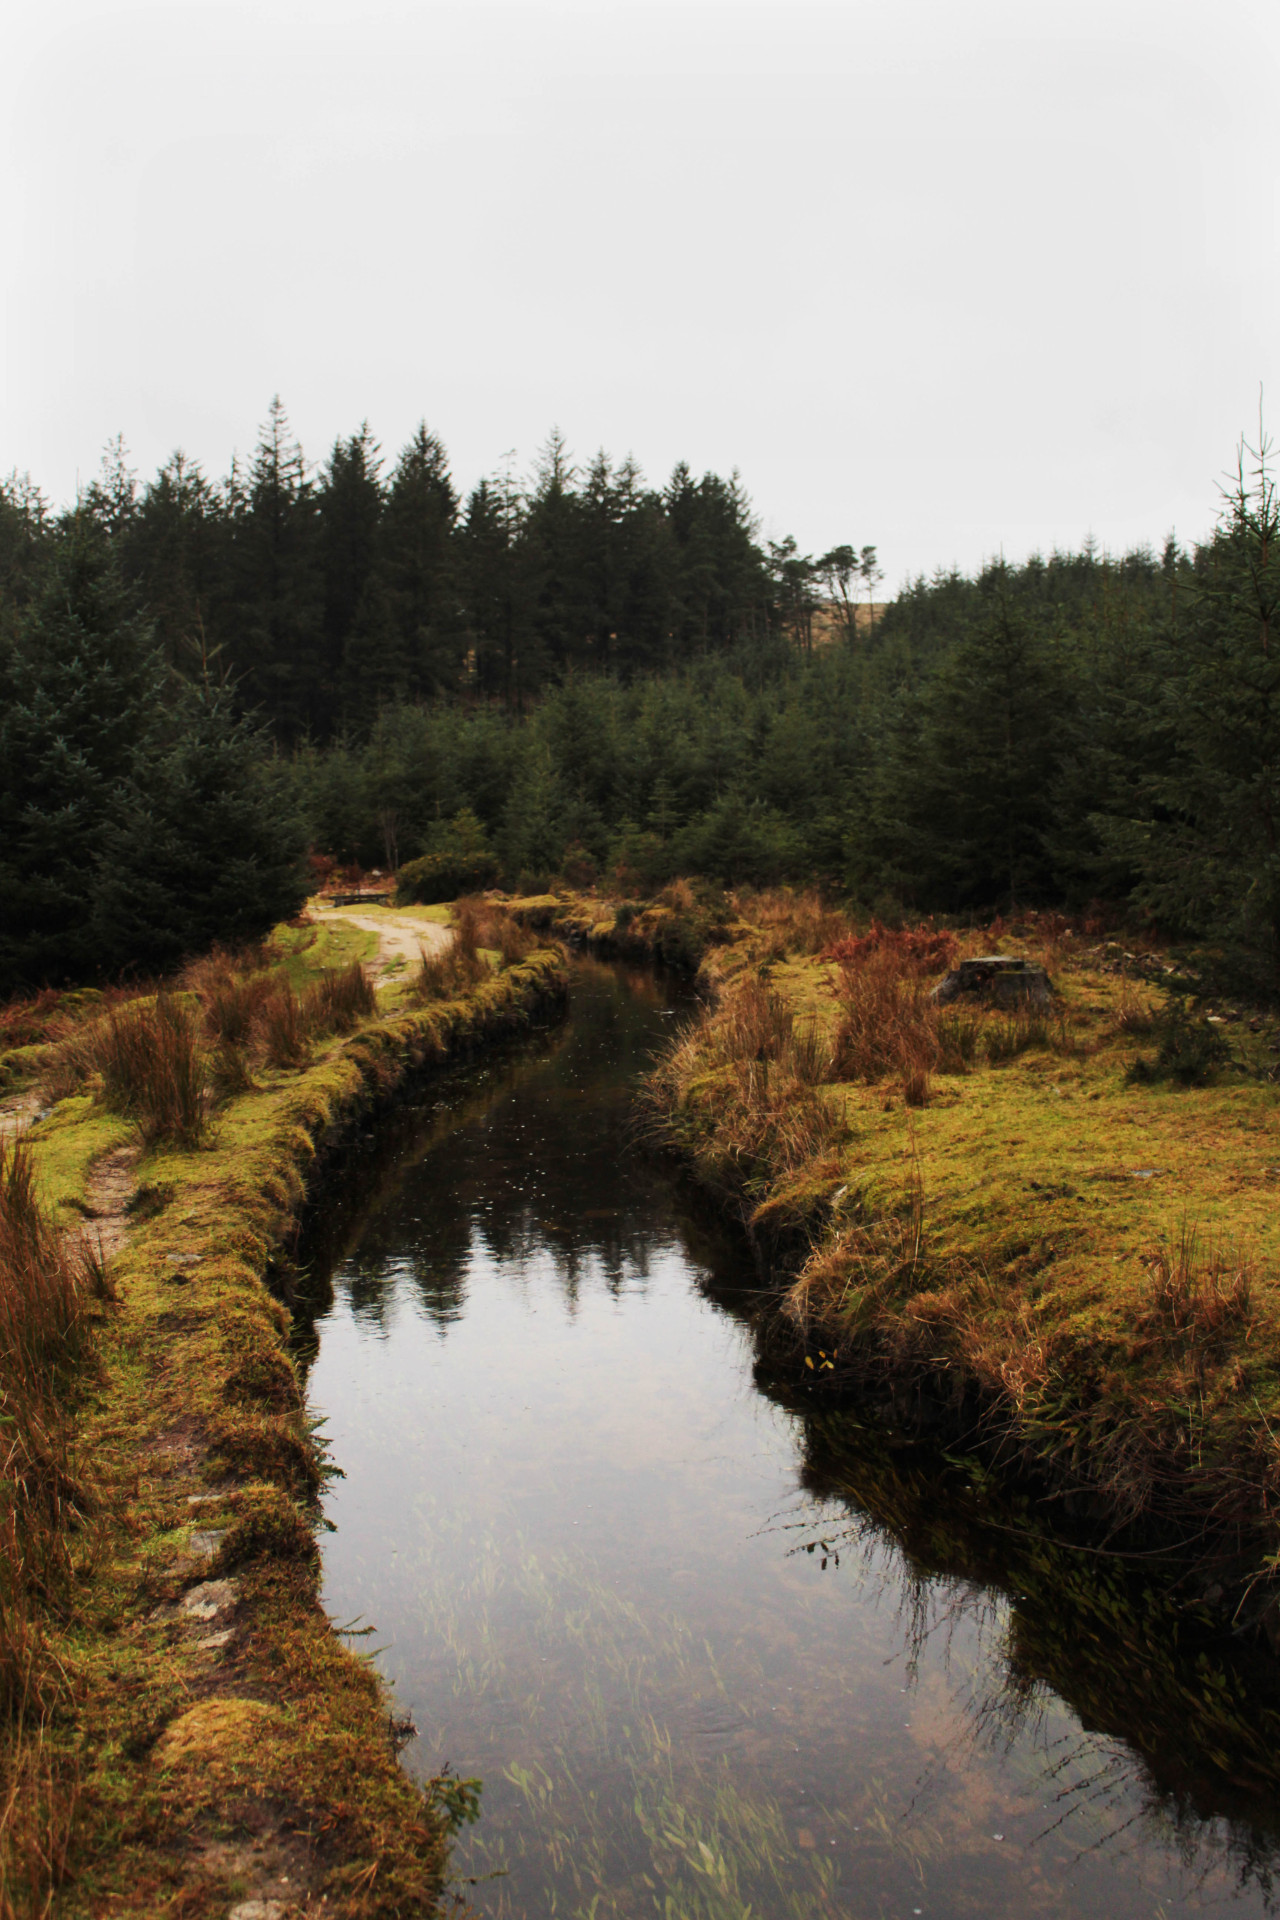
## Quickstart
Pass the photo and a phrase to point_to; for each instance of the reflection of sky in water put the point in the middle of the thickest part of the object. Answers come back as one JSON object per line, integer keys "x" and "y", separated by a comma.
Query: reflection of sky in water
{"x": 573, "y": 1520}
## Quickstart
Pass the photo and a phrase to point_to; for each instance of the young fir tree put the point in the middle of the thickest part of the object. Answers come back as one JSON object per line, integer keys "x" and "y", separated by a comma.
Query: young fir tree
{"x": 200, "y": 847}
{"x": 971, "y": 803}
{"x": 78, "y": 683}
{"x": 1205, "y": 834}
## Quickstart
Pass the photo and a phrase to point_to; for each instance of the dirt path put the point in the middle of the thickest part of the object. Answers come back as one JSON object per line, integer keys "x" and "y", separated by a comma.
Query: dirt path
{"x": 398, "y": 939}
{"x": 108, "y": 1191}
{"x": 18, "y": 1112}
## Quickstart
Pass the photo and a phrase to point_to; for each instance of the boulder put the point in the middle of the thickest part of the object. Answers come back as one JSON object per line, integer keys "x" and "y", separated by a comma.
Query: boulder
{"x": 998, "y": 978}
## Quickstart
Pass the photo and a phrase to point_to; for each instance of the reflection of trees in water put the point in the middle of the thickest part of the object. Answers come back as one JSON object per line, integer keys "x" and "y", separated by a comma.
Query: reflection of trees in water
{"x": 1171, "y": 1732}
{"x": 533, "y": 1159}
{"x": 534, "y": 1164}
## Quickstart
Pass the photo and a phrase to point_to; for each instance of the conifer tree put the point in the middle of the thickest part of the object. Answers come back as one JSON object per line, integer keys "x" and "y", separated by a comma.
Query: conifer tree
{"x": 418, "y": 567}
{"x": 78, "y": 685}
{"x": 1205, "y": 834}
{"x": 277, "y": 587}
{"x": 201, "y": 845}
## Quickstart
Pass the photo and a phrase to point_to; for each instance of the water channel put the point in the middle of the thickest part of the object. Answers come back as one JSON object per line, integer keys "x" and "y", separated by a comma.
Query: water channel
{"x": 715, "y": 1652}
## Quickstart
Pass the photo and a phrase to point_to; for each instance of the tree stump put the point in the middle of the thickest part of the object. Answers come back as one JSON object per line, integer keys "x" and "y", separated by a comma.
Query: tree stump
{"x": 997, "y": 977}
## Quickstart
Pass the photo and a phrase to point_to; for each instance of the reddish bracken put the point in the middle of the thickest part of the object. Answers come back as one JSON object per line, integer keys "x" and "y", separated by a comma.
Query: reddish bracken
{"x": 920, "y": 950}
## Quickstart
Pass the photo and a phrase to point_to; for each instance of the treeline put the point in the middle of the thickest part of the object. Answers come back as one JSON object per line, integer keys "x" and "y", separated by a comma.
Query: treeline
{"x": 327, "y": 594}
{"x": 587, "y": 677}
{"x": 1071, "y": 731}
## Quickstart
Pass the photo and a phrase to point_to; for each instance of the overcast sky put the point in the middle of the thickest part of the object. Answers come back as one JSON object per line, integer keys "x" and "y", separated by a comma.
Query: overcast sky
{"x": 947, "y": 276}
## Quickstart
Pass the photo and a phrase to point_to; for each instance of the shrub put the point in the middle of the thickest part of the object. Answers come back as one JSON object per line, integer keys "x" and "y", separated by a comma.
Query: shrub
{"x": 578, "y": 866}
{"x": 444, "y": 876}
{"x": 1191, "y": 1050}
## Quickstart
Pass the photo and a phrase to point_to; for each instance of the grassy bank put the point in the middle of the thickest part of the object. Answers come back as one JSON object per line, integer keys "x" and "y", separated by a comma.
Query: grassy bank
{"x": 1051, "y": 1234}
{"x": 188, "y": 1732}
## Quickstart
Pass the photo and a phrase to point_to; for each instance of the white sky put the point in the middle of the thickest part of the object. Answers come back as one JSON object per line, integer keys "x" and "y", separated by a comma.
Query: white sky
{"x": 949, "y": 276}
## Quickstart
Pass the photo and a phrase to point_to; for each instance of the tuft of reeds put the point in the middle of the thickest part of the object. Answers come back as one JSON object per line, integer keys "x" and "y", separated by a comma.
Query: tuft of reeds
{"x": 339, "y": 1000}
{"x": 47, "y": 1286}
{"x": 451, "y": 970}
{"x": 232, "y": 1004}
{"x": 1203, "y": 1298}
{"x": 888, "y": 1023}
{"x": 959, "y": 1040}
{"x": 1007, "y": 1036}
{"x": 280, "y": 1027}
{"x": 152, "y": 1068}
{"x": 148, "y": 1057}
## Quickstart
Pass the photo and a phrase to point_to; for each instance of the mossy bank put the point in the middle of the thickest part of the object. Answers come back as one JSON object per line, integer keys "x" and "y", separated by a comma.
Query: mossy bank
{"x": 1036, "y": 1237}
{"x": 212, "y": 1741}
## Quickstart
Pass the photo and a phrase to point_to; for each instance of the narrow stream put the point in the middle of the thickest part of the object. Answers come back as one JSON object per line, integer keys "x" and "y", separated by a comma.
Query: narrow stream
{"x": 711, "y": 1653}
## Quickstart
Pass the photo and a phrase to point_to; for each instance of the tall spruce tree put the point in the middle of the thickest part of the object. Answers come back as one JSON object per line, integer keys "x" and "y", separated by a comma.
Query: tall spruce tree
{"x": 417, "y": 566}
{"x": 276, "y": 640}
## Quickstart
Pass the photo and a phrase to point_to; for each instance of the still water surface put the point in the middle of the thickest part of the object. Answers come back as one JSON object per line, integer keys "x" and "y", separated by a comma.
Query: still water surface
{"x": 649, "y": 1604}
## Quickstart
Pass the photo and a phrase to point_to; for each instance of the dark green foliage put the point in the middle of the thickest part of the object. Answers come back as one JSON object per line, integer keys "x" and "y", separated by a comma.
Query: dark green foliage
{"x": 201, "y": 846}
{"x": 1203, "y": 827}
{"x": 78, "y": 685}
{"x": 140, "y": 820}
{"x": 1191, "y": 1053}
{"x": 461, "y": 862}
{"x": 617, "y": 681}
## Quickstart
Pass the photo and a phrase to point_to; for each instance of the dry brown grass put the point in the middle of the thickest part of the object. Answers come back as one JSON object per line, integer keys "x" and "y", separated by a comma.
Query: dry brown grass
{"x": 763, "y": 1133}
{"x": 679, "y": 896}
{"x": 1202, "y": 1297}
{"x": 47, "y": 1287}
{"x": 449, "y": 971}
{"x": 149, "y": 1060}
{"x": 480, "y": 923}
{"x": 339, "y": 1000}
{"x": 1133, "y": 1011}
{"x": 888, "y": 1024}
{"x": 795, "y": 922}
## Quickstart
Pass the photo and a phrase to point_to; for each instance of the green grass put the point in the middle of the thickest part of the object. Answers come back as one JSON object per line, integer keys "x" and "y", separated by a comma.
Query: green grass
{"x": 1017, "y": 1243}
{"x": 156, "y": 1749}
